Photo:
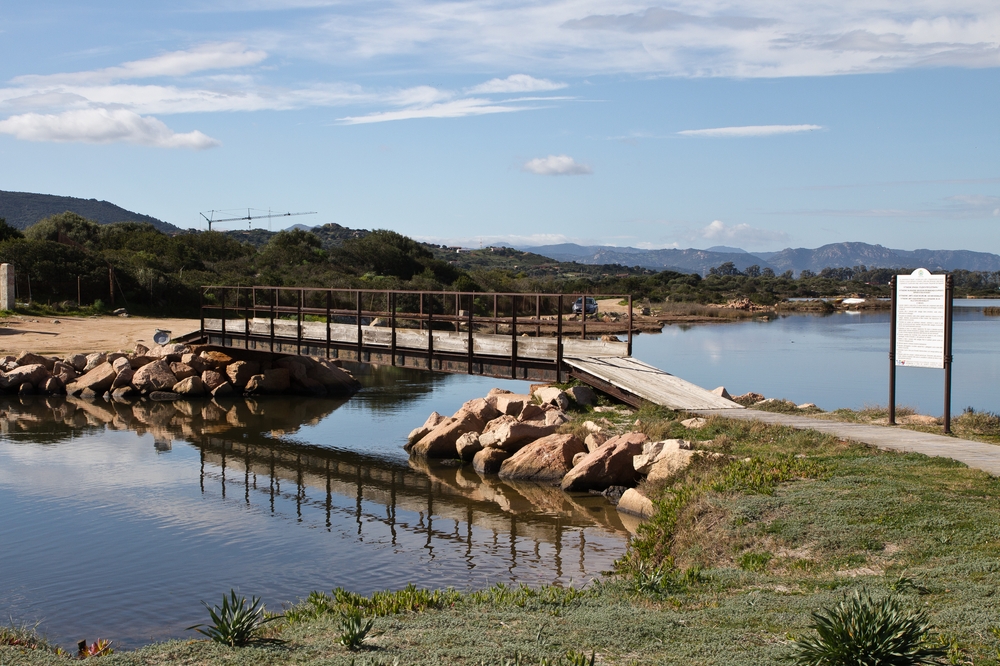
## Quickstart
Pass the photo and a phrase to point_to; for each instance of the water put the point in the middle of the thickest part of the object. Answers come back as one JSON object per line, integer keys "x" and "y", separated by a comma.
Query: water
{"x": 837, "y": 360}
{"x": 116, "y": 522}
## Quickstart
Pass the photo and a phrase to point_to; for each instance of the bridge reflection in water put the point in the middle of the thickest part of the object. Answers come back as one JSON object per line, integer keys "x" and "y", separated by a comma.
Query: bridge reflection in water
{"x": 300, "y": 460}
{"x": 440, "y": 504}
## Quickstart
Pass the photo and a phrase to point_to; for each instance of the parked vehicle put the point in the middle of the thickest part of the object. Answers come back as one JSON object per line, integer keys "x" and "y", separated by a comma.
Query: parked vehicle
{"x": 590, "y": 307}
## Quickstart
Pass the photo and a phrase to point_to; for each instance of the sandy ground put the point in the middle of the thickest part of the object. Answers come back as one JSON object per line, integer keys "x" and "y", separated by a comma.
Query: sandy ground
{"x": 66, "y": 335}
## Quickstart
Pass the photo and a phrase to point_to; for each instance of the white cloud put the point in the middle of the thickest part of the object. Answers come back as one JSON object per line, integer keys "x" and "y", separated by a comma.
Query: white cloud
{"x": 102, "y": 126}
{"x": 734, "y": 38}
{"x": 175, "y": 63}
{"x": 743, "y": 233}
{"x": 557, "y": 165}
{"x": 751, "y": 130}
{"x": 454, "y": 109}
{"x": 516, "y": 83}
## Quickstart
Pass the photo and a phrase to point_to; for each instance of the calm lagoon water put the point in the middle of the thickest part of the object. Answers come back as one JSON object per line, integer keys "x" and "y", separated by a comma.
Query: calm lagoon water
{"x": 117, "y": 521}
{"x": 837, "y": 360}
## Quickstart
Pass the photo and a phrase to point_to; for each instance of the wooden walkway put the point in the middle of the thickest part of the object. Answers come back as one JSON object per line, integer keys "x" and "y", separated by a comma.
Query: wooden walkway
{"x": 634, "y": 381}
{"x": 531, "y": 337}
{"x": 977, "y": 455}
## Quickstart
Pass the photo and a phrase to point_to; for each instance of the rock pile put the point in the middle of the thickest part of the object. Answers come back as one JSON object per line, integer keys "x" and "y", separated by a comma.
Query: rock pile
{"x": 516, "y": 437}
{"x": 170, "y": 372}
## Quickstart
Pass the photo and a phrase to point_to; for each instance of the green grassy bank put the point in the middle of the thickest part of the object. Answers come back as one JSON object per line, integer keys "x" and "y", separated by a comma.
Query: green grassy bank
{"x": 743, "y": 547}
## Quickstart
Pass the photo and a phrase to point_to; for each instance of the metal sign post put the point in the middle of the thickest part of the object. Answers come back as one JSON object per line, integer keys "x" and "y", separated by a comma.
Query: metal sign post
{"x": 920, "y": 330}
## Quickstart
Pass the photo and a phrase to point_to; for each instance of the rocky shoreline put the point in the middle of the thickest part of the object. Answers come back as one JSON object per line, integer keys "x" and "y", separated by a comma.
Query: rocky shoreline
{"x": 520, "y": 437}
{"x": 173, "y": 372}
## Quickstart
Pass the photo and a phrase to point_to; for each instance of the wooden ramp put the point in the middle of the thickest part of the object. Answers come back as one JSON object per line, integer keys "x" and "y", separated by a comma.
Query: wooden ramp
{"x": 636, "y": 382}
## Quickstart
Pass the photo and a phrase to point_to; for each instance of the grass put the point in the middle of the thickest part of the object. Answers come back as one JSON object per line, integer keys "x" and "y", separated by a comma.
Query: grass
{"x": 741, "y": 552}
{"x": 980, "y": 426}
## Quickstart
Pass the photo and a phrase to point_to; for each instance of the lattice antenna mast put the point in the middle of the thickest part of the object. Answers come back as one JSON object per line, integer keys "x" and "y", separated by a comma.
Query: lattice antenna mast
{"x": 249, "y": 217}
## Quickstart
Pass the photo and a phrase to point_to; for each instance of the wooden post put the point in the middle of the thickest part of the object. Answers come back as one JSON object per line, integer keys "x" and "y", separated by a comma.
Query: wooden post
{"x": 458, "y": 319}
{"x": 538, "y": 315}
{"x": 420, "y": 319}
{"x": 273, "y": 299}
{"x": 222, "y": 316}
{"x": 892, "y": 353}
{"x": 298, "y": 336}
{"x": 430, "y": 339}
{"x": 583, "y": 311}
{"x": 513, "y": 337}
{"x": 111, "y": 285}
{"x": 392, "y": 324}
{"x": 79, "y": 294}
{"x": 949, "y": 294}
{"x": 630, "y": 324}
{"x": 329, "y": 306}
{"x": 472, "y": 341}
{"x": 559, "y": 341}
{"x": 495, "y": 313}
{"x": 201, "y": 310}
{"x": 246, "y": 325}
{"x": 361, "y": 339}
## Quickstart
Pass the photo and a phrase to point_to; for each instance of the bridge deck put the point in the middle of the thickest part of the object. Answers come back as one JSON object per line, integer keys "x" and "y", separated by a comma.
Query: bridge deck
{"x": 474, "y": 333}
{"x": 630, "y": 378}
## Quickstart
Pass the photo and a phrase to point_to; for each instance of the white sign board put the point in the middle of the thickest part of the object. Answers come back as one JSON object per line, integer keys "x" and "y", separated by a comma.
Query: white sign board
{"x": 920, "y": 319}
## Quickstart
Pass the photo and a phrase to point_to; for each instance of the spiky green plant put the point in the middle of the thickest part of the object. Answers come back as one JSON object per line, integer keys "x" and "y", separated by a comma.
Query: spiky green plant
{"x": 354, "y": 628}
{"x": 236, "y": 622}
{"x": 864, "y": 631}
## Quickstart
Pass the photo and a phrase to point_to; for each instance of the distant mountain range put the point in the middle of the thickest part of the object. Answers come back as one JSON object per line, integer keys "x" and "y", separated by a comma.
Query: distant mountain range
{"x": 23, "y": 209}
{"x": 835, "y": 255}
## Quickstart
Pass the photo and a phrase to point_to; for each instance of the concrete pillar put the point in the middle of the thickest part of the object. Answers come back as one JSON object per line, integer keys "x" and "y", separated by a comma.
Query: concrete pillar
{"x": 6, "y": 287}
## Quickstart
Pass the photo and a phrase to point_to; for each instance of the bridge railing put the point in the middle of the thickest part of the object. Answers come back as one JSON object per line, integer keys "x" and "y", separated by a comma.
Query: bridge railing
{"x": 281, "y": 313}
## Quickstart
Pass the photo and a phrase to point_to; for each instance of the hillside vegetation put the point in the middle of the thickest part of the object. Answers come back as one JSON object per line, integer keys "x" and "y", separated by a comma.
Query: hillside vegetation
{"x": 65, "y": 256}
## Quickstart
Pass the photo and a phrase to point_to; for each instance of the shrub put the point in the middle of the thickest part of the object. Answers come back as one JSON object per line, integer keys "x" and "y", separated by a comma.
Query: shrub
{"x": 865, "y": 631}
{"x": 236, "y": 623}
{"x": 354, "y": 629}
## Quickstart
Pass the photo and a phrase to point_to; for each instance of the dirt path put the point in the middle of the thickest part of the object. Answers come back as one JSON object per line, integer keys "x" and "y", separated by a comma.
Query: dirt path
{"x": 977, "y": 455}
{"x": 66, "y": 335}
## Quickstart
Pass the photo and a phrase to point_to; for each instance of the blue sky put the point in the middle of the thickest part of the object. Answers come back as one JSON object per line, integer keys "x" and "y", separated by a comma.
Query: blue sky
{"x": 680, "y": 124}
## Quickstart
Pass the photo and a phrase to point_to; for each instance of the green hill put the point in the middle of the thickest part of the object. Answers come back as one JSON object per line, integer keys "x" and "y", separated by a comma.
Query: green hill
{"x": 23, "y": 209}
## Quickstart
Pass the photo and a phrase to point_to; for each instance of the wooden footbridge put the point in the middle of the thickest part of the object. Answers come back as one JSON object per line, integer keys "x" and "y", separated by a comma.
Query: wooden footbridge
{"x": 534, "y": 337}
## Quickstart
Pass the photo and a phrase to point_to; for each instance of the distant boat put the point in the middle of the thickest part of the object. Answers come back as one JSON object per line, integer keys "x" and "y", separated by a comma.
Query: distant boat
{"x": 852, "y": 301}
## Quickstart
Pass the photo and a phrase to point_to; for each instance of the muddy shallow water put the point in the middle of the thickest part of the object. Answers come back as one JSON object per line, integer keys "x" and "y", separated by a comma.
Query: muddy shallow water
{"x": 118, "y": 520}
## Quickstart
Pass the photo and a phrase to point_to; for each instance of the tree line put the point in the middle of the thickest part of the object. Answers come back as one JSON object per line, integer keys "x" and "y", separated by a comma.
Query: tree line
{"x": 66, "y": 258}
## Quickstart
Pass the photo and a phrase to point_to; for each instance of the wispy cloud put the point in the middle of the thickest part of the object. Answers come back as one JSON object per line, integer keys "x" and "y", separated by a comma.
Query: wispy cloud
{"x": 557, "y": 165}
{"x": 751, "y": 130}
{"x": 956, "y": 207}
{"x": 736, "y": 38}
{"x": 719, "y": 231}
{"x": 454, "y": 109}
{"x": 115, "y": 103}
{"x": 516, "y": 83}
{"x": 202, "y": 58}
{"x": 102, "y": 126}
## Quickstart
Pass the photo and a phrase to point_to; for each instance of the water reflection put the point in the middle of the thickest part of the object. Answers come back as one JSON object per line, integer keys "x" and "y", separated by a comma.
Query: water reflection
{"x": 276, "y": 497}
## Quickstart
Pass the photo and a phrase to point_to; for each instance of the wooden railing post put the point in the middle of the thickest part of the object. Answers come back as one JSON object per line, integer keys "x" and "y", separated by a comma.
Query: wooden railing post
{"x": 630, "y": 324}
{"x": 329, "y": 306}
{"x": 495, "y": 314}
{"x": 430, "y": 339}
{"x": 361, "y": 335}
{"x": 298, "y": 339}
{"x": 392, "y": 325}
{"x": 559, "y": 341}
{"x": 538, "y": 315}
{"x": 223, "y": 316}
{"x": 246, "y": 326}
{"x": 472, "y": 341}
{"x": 583, "y": 311}
{"x": 513, "y": 337}
{"x": 273, "y": 299}
{"x": 201, "y": 310}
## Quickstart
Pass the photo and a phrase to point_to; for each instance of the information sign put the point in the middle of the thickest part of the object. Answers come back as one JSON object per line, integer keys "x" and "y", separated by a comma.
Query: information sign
{"x": 920, "y": 319}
